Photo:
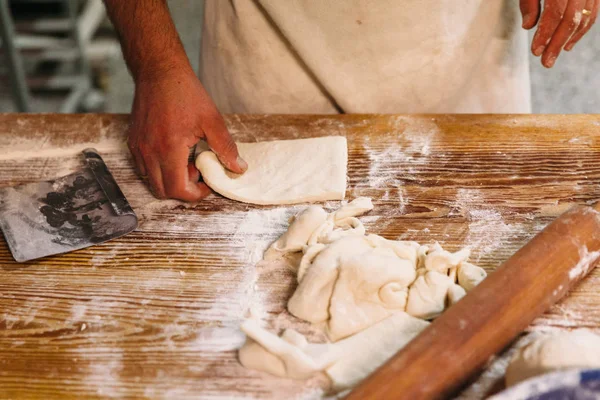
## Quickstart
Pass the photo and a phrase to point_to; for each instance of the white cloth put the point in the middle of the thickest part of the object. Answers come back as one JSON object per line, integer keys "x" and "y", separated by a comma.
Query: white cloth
{"x": 365, "y": 56}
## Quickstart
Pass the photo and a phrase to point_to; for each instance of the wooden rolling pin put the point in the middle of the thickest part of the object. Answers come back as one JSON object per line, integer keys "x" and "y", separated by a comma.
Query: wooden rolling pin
{"x": 464, "y": 338}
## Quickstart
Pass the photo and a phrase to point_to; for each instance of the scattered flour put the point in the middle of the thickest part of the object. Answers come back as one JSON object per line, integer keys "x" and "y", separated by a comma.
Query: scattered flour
{"x": 21, "y": 149}
{"x": 217, "y": 339}
{"x": 585, "y": 140}
{"x": 563, "y": 316}
{"x": 68, "y": 165}
{"x": 256, "y": 231}
{"x": 487, "y": 229}
{"x": 414, "y": 152}
{"x": 77, "y": 312}
{"x": 102, "y": 368}
{"x": 101, "y": 257}
{"x": 389, "y": 167}
{"x": 383, "y": 172}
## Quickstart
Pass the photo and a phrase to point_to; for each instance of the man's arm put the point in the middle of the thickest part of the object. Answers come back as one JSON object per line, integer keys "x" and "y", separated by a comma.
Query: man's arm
{"x": 150, "y": 43}
{"x": 171, "y": 109}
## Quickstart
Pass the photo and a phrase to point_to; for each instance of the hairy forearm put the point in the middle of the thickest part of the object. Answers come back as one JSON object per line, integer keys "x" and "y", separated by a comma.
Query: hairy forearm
{"x": 150, "y": 43}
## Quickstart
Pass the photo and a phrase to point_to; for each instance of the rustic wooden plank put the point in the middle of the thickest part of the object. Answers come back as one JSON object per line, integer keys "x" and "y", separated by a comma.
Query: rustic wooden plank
{"x": 156, "y": 313}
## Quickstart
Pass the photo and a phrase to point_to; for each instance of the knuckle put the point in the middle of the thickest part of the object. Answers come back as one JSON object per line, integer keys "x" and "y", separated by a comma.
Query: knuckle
{"x": 158, "y": 193}
{"x": 173, "y": 188}
{"x": 132, "y": 144}
{"x": 180, "y": 194}
{"x": 229, "y": 146}
{"x": 143, "y": 149}
{"x": 171, "y": 194}
{"x": 213, "y": 116}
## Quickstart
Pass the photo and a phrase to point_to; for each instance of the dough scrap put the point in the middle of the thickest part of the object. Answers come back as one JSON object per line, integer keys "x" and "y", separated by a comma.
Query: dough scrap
{"x": 440, "y": 260}
{"x": 575, "y": 349}
{"x": 403, "y": 249}
{"x": 346, "y": 362}
{"x": 285, "y": 356}
{"x": 371, "y": 286}
{"x": 282, "y": 171}
{"x": 308, "y": 258}
{"x": 355, "y": 208}
{"x": 427, "y": 296}
{"x": 364, "y": 352}
{"x": 297, "y": 235}
{"x": 353, "y": 282}
{"x": 343, "y": 222}
{"x": 368, "y": 292}
{"x": 455, "y": 293}
{"x": 311, "y": 299}
{"x": 470, "y": 275}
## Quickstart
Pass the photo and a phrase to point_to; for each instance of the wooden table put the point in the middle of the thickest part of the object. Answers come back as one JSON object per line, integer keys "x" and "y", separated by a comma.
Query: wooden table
{"x": 155, "y": 314}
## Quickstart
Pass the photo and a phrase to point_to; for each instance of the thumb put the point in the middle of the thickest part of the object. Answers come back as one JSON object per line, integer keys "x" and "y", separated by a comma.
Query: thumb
{"x": 221, "y": 143}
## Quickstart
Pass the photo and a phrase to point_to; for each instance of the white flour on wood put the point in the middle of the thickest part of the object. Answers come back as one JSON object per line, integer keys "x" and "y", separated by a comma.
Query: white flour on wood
{"x": 487, "y": 230}
{"x": 102, "y": 368}
{"x": 255, "y": 231}
{"x": 389, "y": 167}
{"x": 383, "y": 172}
{"x": 21, "y": 149}
{"x": 78, "y": 311}
{"x": 563, "y": 316}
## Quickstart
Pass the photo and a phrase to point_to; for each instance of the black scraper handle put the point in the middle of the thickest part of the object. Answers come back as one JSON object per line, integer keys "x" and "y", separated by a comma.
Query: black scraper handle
{"x": 106, "y": 181}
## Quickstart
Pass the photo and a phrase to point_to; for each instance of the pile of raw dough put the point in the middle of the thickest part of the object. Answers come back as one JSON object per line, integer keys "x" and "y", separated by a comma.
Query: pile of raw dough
{"x": 372, "y": 295}
{"x": 565, "y": 350}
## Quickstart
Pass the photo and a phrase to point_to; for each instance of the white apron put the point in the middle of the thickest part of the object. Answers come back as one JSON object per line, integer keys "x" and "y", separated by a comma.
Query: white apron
{"x": 361, "y": 56}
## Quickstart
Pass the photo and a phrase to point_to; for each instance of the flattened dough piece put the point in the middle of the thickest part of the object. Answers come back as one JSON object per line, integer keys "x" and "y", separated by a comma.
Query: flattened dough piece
{"x": 282, "y": 171}
{"x": 363, "y": 353}
{"x": 565, "y": 350}
{"x": 346, "y": 362}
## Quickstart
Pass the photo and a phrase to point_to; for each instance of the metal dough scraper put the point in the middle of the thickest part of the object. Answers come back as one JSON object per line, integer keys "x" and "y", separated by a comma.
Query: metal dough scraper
{"x": 75, "y": 211}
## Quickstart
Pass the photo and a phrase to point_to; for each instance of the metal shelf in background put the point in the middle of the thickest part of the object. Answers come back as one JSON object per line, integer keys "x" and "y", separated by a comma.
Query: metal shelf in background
{"x": 16, "y": 72}
{"x": 59, "y": 38}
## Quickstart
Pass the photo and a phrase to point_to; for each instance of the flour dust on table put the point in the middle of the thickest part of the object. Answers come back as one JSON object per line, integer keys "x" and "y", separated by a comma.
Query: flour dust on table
{"x": 282, "y": 171}
{"x": 371, "y": 295}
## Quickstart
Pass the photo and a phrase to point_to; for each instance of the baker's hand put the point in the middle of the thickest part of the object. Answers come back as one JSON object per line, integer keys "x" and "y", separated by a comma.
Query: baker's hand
{"x": 170, "y": 114}
{"x": 560, "y": 25}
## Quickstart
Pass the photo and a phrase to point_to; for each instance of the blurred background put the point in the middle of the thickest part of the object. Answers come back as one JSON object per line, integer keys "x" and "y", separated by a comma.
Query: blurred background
{"x": 63, "y": 56}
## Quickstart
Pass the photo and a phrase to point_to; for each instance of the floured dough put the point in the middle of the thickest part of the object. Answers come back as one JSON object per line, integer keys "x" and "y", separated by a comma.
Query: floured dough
{"x": 298, "y": 234}
{"x": 288, "y": 356}
{"x": 470, "y": 275}
{"x": 311, "y": 299}
{"x": 370, "y": 287}
{"x": 455, "y": 293}
{"x": 371, "y": 294}
{"x": 367, "y": 350}
{"x": 575, "y": 349}
{"x": 346, "y": 362}
{"x": 282, "y": 171}
{"x": 427, "y": 295}
{"x": 440, "y": 260}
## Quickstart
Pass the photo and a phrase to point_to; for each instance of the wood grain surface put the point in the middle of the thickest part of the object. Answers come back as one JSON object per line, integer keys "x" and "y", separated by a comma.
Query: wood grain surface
{"x": 155, "y": 314}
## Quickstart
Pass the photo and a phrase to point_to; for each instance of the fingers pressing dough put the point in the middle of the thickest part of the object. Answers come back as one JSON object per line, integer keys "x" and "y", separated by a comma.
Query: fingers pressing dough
{"x": 282, "y": 171}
